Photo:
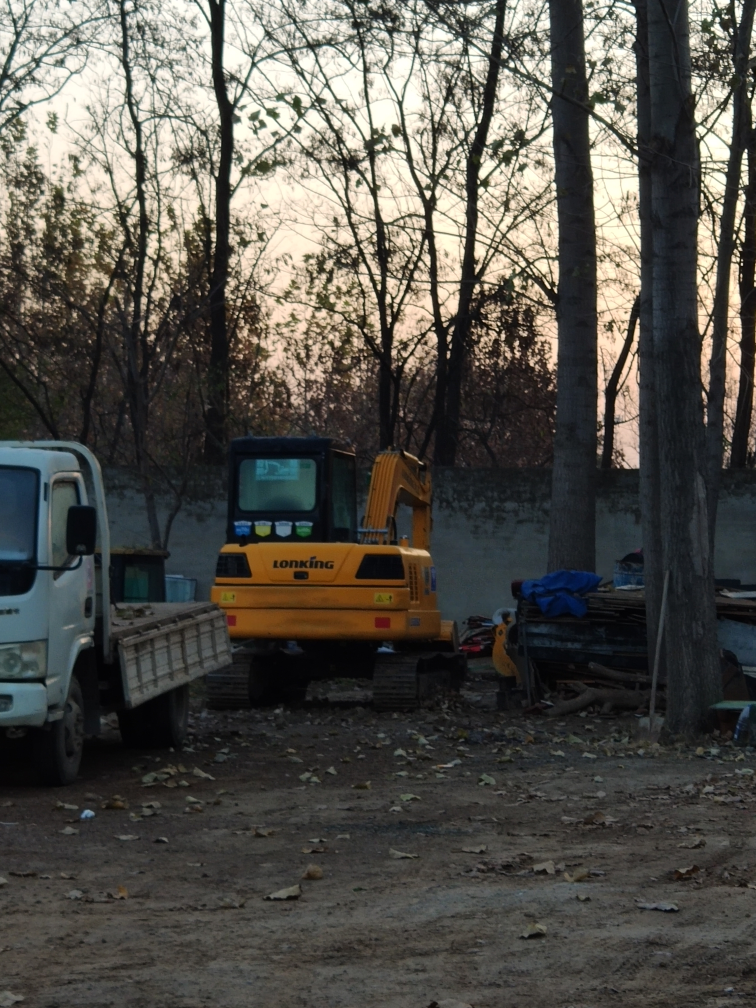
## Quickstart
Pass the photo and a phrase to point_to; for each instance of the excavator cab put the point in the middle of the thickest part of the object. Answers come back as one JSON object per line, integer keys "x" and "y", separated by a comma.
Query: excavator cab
{"x": 286, "y": 489}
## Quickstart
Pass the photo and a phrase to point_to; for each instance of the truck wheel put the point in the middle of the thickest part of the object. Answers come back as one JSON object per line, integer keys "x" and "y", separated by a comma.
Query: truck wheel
{"x": 161, "y": 723}
{"x": 57, "y": 750}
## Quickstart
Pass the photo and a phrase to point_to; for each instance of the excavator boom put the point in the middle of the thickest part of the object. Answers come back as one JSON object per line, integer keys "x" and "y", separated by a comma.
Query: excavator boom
{"x": 398, "y": 478}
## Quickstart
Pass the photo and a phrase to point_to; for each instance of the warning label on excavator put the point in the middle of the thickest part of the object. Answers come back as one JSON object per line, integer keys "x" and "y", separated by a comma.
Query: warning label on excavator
{"x": 228, "y": 597}
{"x": 385, "y": 598}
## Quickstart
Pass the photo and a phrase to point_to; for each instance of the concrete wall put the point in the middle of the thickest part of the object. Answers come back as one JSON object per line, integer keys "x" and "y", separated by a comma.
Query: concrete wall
{"x": 490, "y": 527}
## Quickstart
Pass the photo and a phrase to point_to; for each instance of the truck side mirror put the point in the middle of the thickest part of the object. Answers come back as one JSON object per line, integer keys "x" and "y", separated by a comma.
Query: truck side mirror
{"x": 81, "y": 530}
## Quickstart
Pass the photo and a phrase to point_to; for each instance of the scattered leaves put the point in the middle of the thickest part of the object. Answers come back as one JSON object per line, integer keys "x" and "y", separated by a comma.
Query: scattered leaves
{"x": 400, "y": 855}
{"x": 292, "y": 893}
{"x": 534, "y": 931}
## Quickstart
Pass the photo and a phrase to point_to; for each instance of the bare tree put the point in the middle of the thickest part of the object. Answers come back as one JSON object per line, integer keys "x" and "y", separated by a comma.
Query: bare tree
{"x": 741, "y": 128}
{"x": 43, "y": 44}
{"x": 450, "y": 373}
{"x": 572, "y": 532}
{"x": 739, "y": 454}
{"x": 613, "y": 385}
{"x": 692, "y": 655}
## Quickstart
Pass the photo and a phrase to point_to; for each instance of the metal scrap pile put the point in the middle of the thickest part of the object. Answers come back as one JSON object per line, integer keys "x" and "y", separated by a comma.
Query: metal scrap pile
{"x": 477, "y": 640}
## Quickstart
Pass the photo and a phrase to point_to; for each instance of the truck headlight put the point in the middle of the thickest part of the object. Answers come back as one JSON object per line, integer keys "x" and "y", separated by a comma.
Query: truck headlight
{"x": 23, "y": 661}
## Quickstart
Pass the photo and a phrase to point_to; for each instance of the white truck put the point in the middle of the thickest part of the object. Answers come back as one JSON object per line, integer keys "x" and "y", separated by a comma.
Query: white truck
{"x": 67, "y": 656}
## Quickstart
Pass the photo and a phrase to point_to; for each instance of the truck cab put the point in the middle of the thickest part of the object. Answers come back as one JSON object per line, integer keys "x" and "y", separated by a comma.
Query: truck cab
{"x": 47, "y": 594}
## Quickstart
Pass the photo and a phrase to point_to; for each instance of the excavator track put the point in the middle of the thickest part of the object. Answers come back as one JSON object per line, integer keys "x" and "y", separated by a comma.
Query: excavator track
{"x": 228, "y": 688}
{"x": 395, "y": 683}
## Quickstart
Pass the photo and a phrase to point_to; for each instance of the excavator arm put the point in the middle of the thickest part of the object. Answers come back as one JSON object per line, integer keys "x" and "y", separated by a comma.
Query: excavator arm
{"x": 397, "y": 478}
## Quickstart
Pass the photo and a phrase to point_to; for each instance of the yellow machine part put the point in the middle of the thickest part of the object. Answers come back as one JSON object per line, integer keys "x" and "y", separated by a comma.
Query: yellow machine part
{"x": 333, "y": 603}
{"x": 501, "y": 660}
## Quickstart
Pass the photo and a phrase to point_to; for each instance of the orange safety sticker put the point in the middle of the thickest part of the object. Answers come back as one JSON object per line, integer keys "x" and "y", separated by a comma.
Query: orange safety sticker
{"x": 383, "y": 598}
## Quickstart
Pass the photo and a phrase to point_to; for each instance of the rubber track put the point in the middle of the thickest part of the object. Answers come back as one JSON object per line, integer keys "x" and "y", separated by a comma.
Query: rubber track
{"x": 395, "y": 683}
{"x": 228, "y": 688}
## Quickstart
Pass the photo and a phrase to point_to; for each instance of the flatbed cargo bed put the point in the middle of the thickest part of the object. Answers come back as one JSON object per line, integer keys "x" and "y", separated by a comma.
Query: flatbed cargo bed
{"x": 162, "y": 645}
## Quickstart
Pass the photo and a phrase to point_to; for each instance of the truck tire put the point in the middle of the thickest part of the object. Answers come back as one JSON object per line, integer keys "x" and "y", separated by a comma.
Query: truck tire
{"x": 57, "y": 749}
{"x": 161, "y": 723}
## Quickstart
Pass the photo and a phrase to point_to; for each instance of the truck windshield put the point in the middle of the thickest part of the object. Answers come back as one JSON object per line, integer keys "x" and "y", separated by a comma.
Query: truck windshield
{"x": 18, "y": 514}
{"x": 277, "y": 484}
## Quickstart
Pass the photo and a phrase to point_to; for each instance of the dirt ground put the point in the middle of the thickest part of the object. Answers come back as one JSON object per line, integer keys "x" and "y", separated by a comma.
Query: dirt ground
{"x": 501, "y": 814}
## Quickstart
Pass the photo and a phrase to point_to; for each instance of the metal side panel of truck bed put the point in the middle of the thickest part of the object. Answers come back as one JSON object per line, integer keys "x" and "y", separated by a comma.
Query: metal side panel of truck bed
{"x": 165, "y": 645}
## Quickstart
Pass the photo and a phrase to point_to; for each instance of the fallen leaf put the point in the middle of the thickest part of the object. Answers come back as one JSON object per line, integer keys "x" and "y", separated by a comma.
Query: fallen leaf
{"x": 546, "y": 867}
{"x": 263, "y": 831}
{"x": 313, "y": 850}
{"x": 589, "y": 755}
{"x": 68, "y": 831}
{"x": 66, "y": 806}
{"x": 579, "y": 875}
{"x": 399, "y": 752}
{"x": 231, "y": 903}
{"x": 331, "y": 770}
{"x": 399, "y": 855}
{"x": 534, "y": 931}
{"x": 556, "y": 752}
{"x": 475, "y": 850}
{"x": 409, "y": 797}
{"x": 3, "y": 881}
{"x": 449, "y": 1003}
{"x": 7, "y": 998}
{"x": 23, "y": 874}
{"x": 362, "y": 787}
{"x": 583, "y": 897}
{"x": 693, "y": 844}
{"x": 75, "y": 894}
{"x": 68, "y": 876}
{"x": 126, "y": 836}
{"x": 120, "y": 893}
{"x": 201, "y": 773}
{"x": 664, "y": 907}
{"x": 160, "y": 839}
{"x": 486, "y": 780}
{"x": 343, "y": 836}
{"x": 685, "y": 873}
{"x": 449, "y": 766}
{"x": 116, "y": 802}
{"x": 574, "y": 740}
{"x": 313, "y": 871}
{"x": 292, "y": 893}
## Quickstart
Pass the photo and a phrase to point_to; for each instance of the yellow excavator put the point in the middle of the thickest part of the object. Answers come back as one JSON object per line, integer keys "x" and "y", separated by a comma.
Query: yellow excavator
{"x": 310, "y": 594}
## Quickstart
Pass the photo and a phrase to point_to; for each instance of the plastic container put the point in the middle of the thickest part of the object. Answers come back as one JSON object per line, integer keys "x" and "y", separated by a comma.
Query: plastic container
{"x": 626, "y": 574}
{"x": 180, "y": 589}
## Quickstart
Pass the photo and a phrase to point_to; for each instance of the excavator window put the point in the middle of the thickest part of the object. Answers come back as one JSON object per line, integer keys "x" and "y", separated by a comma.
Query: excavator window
{"x": 343, "y": 498}
{"x": 278, "y": 484}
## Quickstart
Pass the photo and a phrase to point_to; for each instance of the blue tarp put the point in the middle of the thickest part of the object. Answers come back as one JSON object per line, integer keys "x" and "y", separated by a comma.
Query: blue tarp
{"x": 559, "y": 593}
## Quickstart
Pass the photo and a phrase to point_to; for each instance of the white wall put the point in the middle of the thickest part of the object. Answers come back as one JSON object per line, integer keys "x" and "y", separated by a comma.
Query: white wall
{"x": 490, "y": 527}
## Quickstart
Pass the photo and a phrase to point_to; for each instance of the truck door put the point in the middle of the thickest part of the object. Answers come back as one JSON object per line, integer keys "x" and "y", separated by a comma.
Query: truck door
{"x": 69, "y": 589}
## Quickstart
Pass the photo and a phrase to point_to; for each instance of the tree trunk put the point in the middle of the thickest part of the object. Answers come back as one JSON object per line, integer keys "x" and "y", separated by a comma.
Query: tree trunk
{"x": 612, "y": 387}
{"x": 572, "y": 533}
{"x": 451, "y": 375}
{"x": 136, "y": 347}
{"x": 747, "y": 280}
{"x": 690, "y": 638}
{"x": 650, "y": 497}
{"x": 741, "y": 125}
{"x": 216, "y": 419}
